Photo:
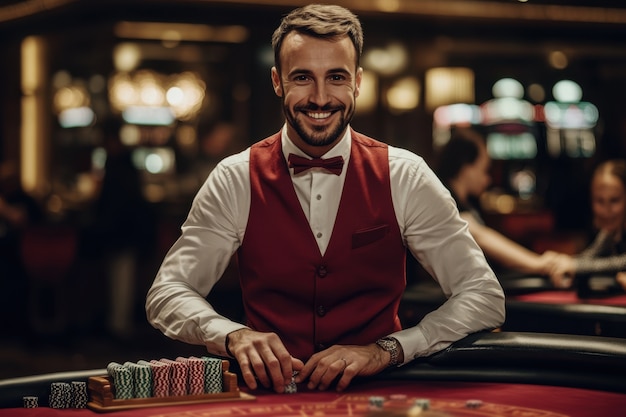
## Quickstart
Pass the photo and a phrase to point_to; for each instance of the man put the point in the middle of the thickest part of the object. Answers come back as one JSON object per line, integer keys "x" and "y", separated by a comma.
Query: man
{"x": 321, "y": 250}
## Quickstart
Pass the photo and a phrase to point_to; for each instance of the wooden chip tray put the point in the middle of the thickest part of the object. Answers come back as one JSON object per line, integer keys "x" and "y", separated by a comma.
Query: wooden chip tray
{"x": 102, "y": 399}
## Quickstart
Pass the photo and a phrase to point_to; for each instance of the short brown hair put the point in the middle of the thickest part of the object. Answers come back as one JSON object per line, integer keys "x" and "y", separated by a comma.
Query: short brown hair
{"x": 321, "y": 21}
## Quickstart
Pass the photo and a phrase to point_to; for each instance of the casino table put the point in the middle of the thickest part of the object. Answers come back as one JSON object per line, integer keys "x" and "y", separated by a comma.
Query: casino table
{"x": 500, "y": 374}
{"x": 593, "y": 307}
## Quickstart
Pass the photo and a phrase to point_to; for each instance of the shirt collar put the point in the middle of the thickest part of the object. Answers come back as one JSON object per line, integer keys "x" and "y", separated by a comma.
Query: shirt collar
{"x": 341, "y": 148}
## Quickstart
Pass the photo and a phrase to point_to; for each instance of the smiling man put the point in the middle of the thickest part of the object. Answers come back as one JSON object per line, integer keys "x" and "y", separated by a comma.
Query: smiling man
{"x": 320, "y": 217}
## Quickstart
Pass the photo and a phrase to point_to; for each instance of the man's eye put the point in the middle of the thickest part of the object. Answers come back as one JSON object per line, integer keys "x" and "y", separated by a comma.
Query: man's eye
{"x": 300, "y": 78}
{"x": 337, "y": 77}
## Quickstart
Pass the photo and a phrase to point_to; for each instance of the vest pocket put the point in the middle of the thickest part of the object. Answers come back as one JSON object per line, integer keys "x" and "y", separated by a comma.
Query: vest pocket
{"x": 364, "y": 237}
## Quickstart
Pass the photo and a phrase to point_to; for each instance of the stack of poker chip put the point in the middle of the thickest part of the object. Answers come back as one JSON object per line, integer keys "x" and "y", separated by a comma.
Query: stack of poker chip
{"x": 79, "y": 394}
{"x": 142, "y": 378}
{"x": 166, "y": 377}
{"x": 123, "y": 381}
{"x": 195, "y": 374}
{"x": 31, "y": 401}
{"x": 178, "y": 377}
{"x": 60, "y": 395}
{"x": 212, "y": 375}
{"x": 160, "y": 378}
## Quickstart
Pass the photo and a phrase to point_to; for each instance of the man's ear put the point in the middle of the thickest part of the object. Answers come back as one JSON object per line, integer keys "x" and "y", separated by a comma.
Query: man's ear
{"x": 359, "y": 77}
{"x": 278, "y": 87}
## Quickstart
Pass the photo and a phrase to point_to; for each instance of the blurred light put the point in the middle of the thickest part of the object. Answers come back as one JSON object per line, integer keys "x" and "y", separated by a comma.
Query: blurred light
{"x": 368, "y": 93}
{"x": 98, "y": 158}
{"x": 449, "y": 86}
{"x": 446, "y": 117}
{"x": 177, "y": 32}
{"x": 150, "y": 116}
{"x": 32, "y": 74}
{"x": 386, "y": 61}
{"x": 154, "y": 160}
{"x": 505, "y": 203}
{"x": 183, "y": 94}
{"x": 187, "y": 137}
{"x": 155, "y": 193}
{"x": 404, "y": 94}
{"x": 130, "y": 135}
{"x": 508, "y": 87}
{"x": 54, "y": 204}
{"x": 76, "y": 117}
{"x": 499, "y": 110}
{"x": 388, "y": 5}
{"x": 34, "y": 132}
{"x": 171, "y": 38}
{"x": 61, "y": 79}
{"x": 457, "y": 114}
{"x": 154, "y": 163}
{"x": 506, "y": 146}
{"x": 567, "y": 91}
{"x": 580, "y": 115}
{"x": 536, "y": 93}
{"x": 524, "y": 182}
{"x": 126, "y": 56}
{"x": 174, "y": 96}
{"x": 71, "y": 97}
{"x": 558, "y": 60}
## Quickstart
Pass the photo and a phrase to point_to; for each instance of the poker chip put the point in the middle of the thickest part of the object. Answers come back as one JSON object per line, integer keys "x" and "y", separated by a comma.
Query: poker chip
{"x": 123, "y": 382}
{"x": 376, "y": 402}
{"x": 424, "y": 403}
{"x": 178, "y": 377}
{"x": 79, "y": 394}
{"x": 142, "y": 379}
{"x": 213, "y": 375}
{"x": 160, "y": 378}
{"x": 31, "y": 401}
{"x": 60, "y": 395}
{"x": 195, "y": 374}
{"x": 292, "y": 388}
{"x": 473, "y": 403}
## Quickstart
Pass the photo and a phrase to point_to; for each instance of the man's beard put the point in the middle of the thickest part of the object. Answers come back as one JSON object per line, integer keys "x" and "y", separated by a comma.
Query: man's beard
{"x": 320, "y": 135}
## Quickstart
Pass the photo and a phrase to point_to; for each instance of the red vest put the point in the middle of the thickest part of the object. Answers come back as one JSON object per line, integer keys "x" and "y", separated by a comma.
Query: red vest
{"x": 352, "y": 293}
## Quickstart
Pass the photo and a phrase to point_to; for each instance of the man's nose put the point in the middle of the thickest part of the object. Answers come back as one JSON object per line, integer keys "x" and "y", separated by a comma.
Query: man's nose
{"x": 320, "y": 95}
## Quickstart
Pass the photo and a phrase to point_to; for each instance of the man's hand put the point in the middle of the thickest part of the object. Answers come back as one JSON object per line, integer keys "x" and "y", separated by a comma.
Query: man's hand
{"x": 262, "y": 356}
{"x": 342, "y": 363}
{"x": 562, "y": 271}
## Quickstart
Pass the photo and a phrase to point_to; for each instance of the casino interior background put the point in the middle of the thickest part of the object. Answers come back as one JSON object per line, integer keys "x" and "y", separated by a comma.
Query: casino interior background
{"x": 544, "y": 81}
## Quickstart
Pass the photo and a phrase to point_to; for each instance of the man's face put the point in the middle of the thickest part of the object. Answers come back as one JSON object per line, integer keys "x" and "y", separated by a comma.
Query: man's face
{"x": 319, "y": 84}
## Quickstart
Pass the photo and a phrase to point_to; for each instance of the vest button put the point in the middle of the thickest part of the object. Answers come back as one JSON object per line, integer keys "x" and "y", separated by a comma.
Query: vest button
{"x": 322, "y": 271}
{"x": 321, "y": 311}
{"x": 319, "y": 347}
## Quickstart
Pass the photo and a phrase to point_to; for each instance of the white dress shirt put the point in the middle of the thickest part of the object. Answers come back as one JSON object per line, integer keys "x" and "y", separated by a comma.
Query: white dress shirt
{"x": 427, "y": 217}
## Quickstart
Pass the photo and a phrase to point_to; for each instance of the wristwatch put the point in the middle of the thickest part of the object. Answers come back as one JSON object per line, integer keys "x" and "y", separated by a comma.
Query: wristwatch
{"x": 391, "y": 345}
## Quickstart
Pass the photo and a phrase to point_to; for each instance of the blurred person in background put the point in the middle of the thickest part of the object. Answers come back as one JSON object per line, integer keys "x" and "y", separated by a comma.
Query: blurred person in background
{"x": 606, "y": 253}
{"x": 463, "y": 166}
{"x": 124, "y": 229}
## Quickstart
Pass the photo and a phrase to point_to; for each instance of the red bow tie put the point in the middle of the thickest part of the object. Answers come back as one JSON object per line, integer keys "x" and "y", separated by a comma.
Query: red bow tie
{"x": 299, "y": 164}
